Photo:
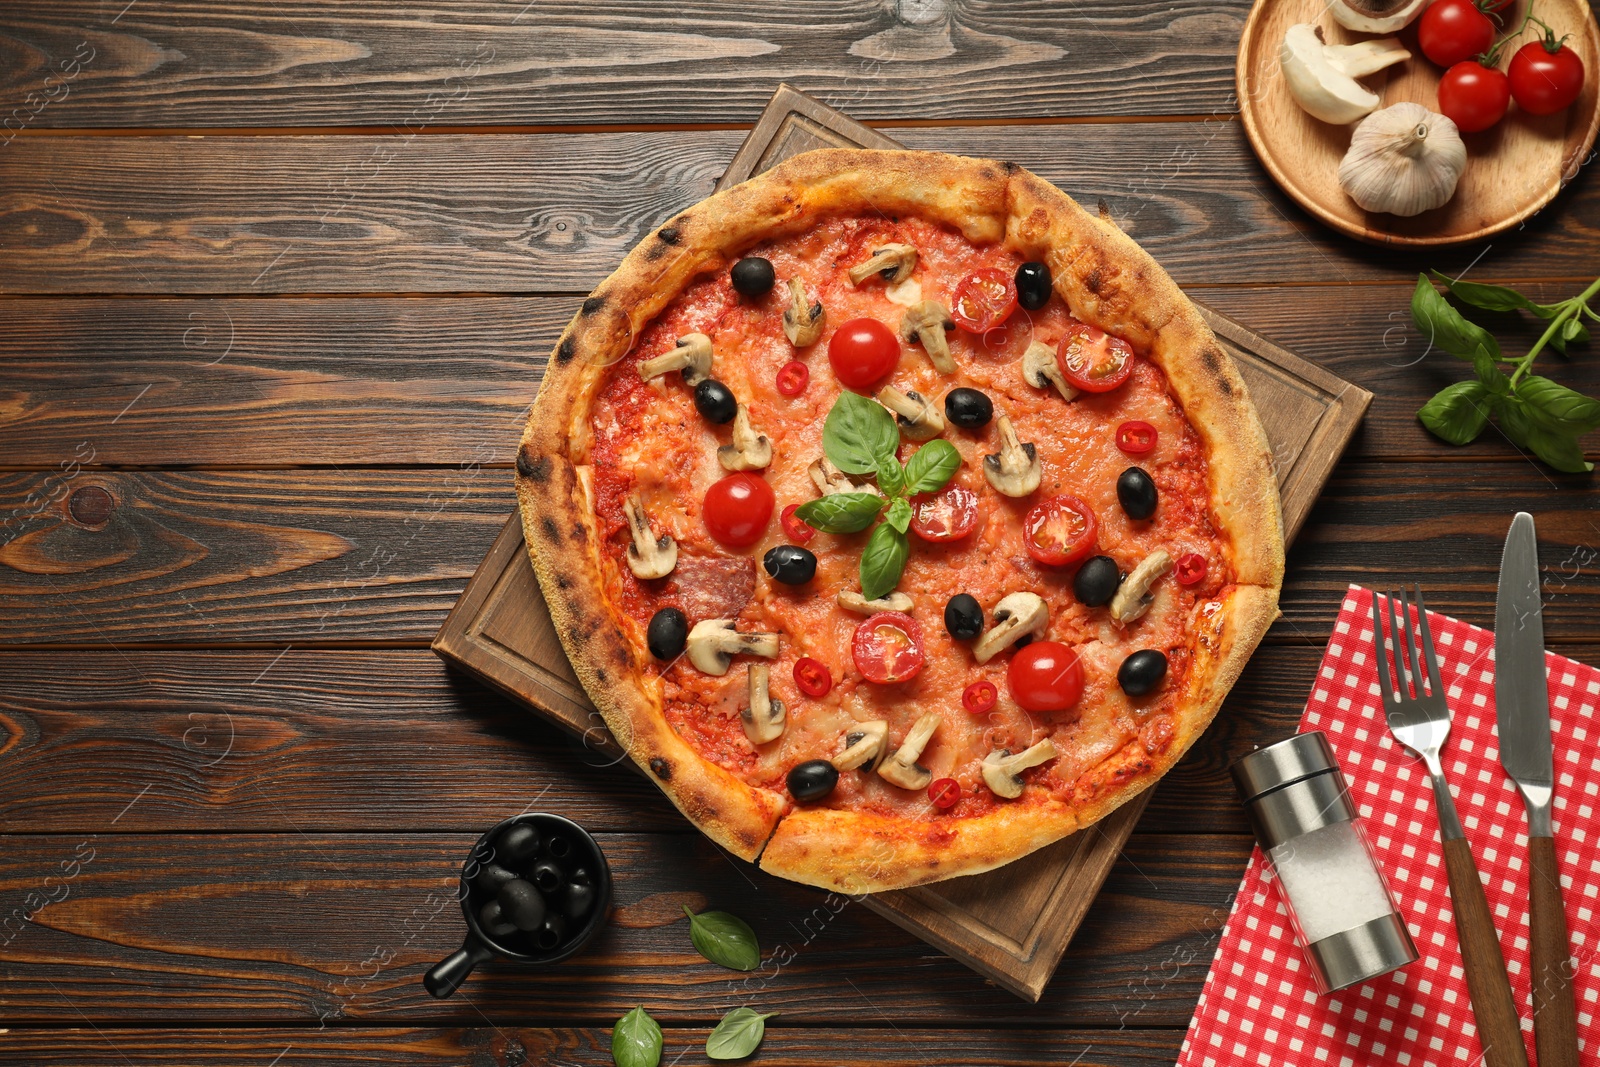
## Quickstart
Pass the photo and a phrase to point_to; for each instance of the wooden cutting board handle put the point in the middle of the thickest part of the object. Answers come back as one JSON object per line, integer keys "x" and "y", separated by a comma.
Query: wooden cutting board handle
{"x": 1555, "y": 1018}
{"x": 1499, "y": 1030}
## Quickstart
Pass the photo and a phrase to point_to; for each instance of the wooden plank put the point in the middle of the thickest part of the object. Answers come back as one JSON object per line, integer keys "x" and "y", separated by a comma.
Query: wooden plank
{"x": 310, "y": 928}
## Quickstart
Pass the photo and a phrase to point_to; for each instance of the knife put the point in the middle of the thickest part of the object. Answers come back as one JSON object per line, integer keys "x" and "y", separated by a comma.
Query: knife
{"x": 1522, "y": 706}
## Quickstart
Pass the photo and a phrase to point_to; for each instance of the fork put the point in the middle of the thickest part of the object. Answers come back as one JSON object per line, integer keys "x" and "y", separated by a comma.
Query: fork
{"x": 1419, "y": 719}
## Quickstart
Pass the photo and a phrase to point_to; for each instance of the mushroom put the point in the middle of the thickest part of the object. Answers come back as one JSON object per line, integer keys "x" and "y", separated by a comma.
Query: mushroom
{"x": 1015, "y": 615}
{"x": 830, "y": 479}
{"x": 1015, "y": 469}
{"x": 692, "y": 356}
{"x": 916, "y": 416}
{"x": 1376, "y": 16}
{"x": 864, "y": 746}
{"x": 851, "y": 600}
{"x": 764, "y": 717}
{"x": 714, "y": 642}
{"x": 1040, "y": 370}
{"x": 750, "y": 451}
{"x": 1133, "y": 598}
{"x": 802, "y": 319}
{"x": 925, "y": 323}
{"x": 1322, "y": 77}
{"x": 893, "y": 263}
{"x": 1002, "y": 771}
{"x": 649, "y": 556}
{"x": 902, "y": 768}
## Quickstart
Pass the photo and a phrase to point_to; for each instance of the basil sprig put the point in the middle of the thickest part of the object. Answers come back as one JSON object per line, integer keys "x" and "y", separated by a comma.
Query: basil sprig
{"x": 725, "y": 939}
{"x": 636, "y": 1040}
{"x": 1536, "y": 413}
{"x": 738, "y": 1034}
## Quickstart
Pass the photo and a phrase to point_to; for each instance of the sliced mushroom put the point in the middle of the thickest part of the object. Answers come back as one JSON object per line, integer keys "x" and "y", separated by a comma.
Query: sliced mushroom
{"x": 865, "y": 746}
{"x": 925, "y": 323}
{"x": 916, "y": 416}
{"x": 1133, "y": 598}
{"x": 1322, "y": 77}
{"x": 714, "y": 642}
{"x": 750, "y": 451}
{"x": 764, "y": 716}
{"x": 830, "y": 479}
{"x": 1040, "y": 370}
{"x": 1015, "y": 615}
{"x": 692, "y": 356}
{"x": 851, "y": 600}
{"x": 902, "y": 768}
{"x": 1015, "y": 469}
{"x": 1002, "y": 771}
{"x": 649, "y": 556}
{"x": 893, "y": 263}
{"x": 802, "y": 319}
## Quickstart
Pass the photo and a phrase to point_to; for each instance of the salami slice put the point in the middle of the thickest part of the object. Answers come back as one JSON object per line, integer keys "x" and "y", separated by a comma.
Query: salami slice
{"x": 711, "y": 587}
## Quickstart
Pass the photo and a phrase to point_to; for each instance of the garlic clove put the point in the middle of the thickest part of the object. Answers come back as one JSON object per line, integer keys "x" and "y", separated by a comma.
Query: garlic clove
{"x": 1376, "y": 16}
{"x": 1403, "y": 160}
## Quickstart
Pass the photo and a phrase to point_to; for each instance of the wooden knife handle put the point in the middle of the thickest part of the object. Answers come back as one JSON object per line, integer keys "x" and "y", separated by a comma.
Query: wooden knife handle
{"x": 1555, "y": 1020}
{"x": 1490, "y": 989}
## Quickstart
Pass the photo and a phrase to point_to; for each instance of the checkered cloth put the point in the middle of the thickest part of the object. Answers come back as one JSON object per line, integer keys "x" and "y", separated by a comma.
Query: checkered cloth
{"x": 1260, "y": 1005}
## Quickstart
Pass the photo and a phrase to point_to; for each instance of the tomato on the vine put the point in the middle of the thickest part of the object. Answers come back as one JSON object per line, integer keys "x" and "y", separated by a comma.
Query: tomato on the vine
{"x": 737, "y": 509}
{"x": 861, "y": 351}
{"x": 1454, "y": 30}
{"x": 812, "y": 677}
{"x": 793, "y": 377}
{"x": 1060, "y": 531}
{"x": 795, "y": 528}
{"x": 887, "y": 648}
{"x": 1474, "y": 96}
{"x": 948, "y": 515}
{"x": 1544, "y": 79}
{"x": 984, "y": 299}
{"x": 1092, "y": 359}
{"x": 1045, "y": 676}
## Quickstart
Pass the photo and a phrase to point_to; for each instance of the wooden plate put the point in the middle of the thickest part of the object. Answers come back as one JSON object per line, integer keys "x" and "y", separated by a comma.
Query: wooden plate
{"x": 1513, "y": 169}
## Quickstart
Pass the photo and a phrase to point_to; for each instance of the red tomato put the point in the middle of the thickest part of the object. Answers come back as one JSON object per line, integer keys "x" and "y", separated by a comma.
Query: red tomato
{"x": 812, "y": 676}
{"x": 862, "y": 351}
{"x": 887, "y": 648}
{"x": 1060, "y": 531}
{"x": 948, "y": 515}
{"x": 944, "y": 792}
{"x": 1473, "y": 96}
{"x": 793, "y": 377}
{"x": 1045, "y": 676}
{"x": 1190, "y": 569}
{"x": 1136, "y": 438}
{"x": 1454, "y": 30}
{"x": 796, "y": 529}
{"x": 1545, "y": 81}
{"x": 1093, "y": 360}
{"x": 737, "y": 509}
{"x": 979, "y": 697}
{"x": 984, "y": 299}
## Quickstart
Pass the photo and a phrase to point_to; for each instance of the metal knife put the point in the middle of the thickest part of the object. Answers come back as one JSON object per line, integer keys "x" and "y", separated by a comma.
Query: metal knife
{"x": 1522, "y": 706}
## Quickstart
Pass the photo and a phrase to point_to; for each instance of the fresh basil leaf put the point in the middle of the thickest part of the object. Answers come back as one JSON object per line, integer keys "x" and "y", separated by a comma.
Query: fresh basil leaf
{"x": 1558, "y": 448}
{"x": 1490, "y": 374}
{"x": 858, "y": 433}
{"x": 636, "y": 1040}
{"x": 1571, "y": 330}
{"x": 725, "y": 939}
{"x": 1444, "y": 325}
{"x": 899, "y": 515}
{"x": 738, "y": 1034}
{"x": 931, "y": 467}
{"x": 1558, "y": 407}
{"x": 1457, "y": 413}
{"x": 1488, "y": 297}
{"x": 891, "y": 476}
{"x": 841, "y": 512}
{"x": 883, "y": 561}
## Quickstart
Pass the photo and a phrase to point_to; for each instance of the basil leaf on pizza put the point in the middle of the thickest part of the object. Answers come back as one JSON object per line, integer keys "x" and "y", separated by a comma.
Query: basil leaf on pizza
{"x": 858, "y": 433}
{"x": 931, "y": 467}
{"x": 891, "y": 476}
{"x": 883, "y": 561}
{"x": 899, "y": 514}
{"x": 725, "y": 939}
{"x": 841, "y": 512}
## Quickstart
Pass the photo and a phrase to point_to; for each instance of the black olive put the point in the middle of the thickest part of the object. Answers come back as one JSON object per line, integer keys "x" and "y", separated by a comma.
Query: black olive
{"x": 812, "y": 780}
{"x": 1096, "y": 581}
{"x": 547, "y": 875}
{"x": 560, "y": 848}
{"x": 667, "y": 634}
{"x": 1033, "y": 286}
{"x": 1137, "y": 492}
{"x": 494, "y": 921}
{"x": 521, "y": 904}
{"x": 715, "y": 402}
{"x": 963, "y": 617}
{"x": 491, "y": 876}
{"x": 790, "y": 564}
{"x": 968, "y": 408}
{"x": 576, "y": 900}
{"x": 1142, "y": 672}
{"x": 581, "y": 876}
{"x": 551, "y": 932}
{"x": 518, "y": 842}
{"x": 752, "y": 276}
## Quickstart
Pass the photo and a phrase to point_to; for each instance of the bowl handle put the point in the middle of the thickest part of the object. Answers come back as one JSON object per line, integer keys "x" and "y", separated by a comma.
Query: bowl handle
{"x": 446, "y": 976}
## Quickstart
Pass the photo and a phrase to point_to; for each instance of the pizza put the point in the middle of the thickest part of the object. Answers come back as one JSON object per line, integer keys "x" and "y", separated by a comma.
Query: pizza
{"x": 899, "y": 516}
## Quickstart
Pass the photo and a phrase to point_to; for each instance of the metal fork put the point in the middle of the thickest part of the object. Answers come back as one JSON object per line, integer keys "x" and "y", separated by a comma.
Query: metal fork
{"x": 1419, "y": 719}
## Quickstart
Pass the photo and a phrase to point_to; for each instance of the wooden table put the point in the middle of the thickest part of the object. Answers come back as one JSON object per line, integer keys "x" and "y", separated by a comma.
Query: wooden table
{"x": 277, "y": 285}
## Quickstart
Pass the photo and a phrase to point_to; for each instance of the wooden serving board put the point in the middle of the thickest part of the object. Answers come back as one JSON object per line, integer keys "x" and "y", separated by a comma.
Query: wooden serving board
{"x": 1012, "y": 924}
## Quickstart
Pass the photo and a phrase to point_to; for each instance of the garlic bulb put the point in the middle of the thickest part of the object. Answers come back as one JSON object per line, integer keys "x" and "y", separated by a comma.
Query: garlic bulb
{"x": 1403, "y": 160}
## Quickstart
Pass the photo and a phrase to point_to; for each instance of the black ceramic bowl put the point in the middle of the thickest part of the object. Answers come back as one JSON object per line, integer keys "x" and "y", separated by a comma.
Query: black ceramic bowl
{"x": 562, "y": 843}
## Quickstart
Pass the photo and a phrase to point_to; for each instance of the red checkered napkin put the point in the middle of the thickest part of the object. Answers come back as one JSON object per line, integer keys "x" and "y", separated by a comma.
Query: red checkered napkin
{"x": 1260, "y": 1005}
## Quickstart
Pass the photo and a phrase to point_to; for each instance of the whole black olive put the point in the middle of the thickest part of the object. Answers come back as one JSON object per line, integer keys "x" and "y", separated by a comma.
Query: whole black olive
{"x": 715, "y": 401}
{"x": 1033, "y": 286}
{"x": 576, "y": 899}
{"x": 968, "y": 408}
{"x": 1096, "y": 581}
{"x": 494, "y": 921}
{"x": 581, "y": 876}
{"x": 518, "y": 842}
{"x": 491, "y": 876}
{"x": 521, "y": 904}
{"x": 559, "y": 847}
{"x": 1142, "y": 672}
{"x": 812, "y": 780}
{"x": 963, "y": 617}
{"x": 752, "y": 276}
{"x": 790, "y": 564}
{"x": 547, "y": 875}
{"x": 551, "y": 932}
{"x": 1137, "y": 492}
{"x": 667, "y": 633}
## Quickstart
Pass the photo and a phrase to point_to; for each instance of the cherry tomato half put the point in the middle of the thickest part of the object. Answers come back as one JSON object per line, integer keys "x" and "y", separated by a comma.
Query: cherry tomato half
{"x": 1093, "y": 360}
{"x": 737, "y": 509}
{"x": 1045, "y": 676}
{"x": 1453, "y": 30}
{"x": 1136, "y": 438}
{"x": 793, "y": 377}
{"x": 948, "y": 515}
{"x": 1545, "y": 81}
{"x": 944, "y": 792}
{"x": 1190, "y": 569}
{"x": 979, "y": 697}
{"x": 795, "y": 528}
{"x": 887, "y": 648}
{"x": 984, "y": 299}
{"x": 861, "y": 351}
{"x": 812, "y": 677}
{"x": 1060, "y": 531}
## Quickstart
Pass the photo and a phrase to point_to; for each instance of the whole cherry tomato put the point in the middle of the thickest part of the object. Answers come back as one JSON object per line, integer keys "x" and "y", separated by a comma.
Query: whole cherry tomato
{"x": 887, "y": 648}
{"x": 737, "y": 509}
{"x": 1544, "y": 79}
{"x": 948, "y": 515}
{"x": 1045, "y": 676}
{"x": 984, "y": 299}
{"x": 1060, "y": 531}
{"x": 862, "y": 351}
{"x": 1093, "y": 360}
{"x": 1453, "y": 30}
{"x": 1474, "y": 96}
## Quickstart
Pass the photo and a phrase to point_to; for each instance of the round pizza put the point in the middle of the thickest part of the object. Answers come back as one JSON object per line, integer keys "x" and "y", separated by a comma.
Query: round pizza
{"x": 900, "y": 516}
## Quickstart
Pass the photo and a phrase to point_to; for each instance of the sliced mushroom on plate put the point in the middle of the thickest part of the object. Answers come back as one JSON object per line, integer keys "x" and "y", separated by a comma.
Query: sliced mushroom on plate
{"x": 1016, "y": 614}
{"x": 802, "y": 319}
{"x": 926, "y": 324}
{"x": 851, "y": 600}
{"x": 1002, "y": 770}
{"x": 692, "y": 357}
{"x": 750, "y": 450}
{"x": 830, "y": 479}
{"x": 864, "y": 746}
{"x": 714, "y": 642}
{"x": 1133, "y": 597}
{"x": 649, "y": 556}
{"x": 1015, "y": 470}
{"x": 763, "y": 716}
{"x": 902, "y": 768}
{"x": 1040, "y": 370}
{"x": 893, "y": 263}
{"x": 917, "y": 417}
